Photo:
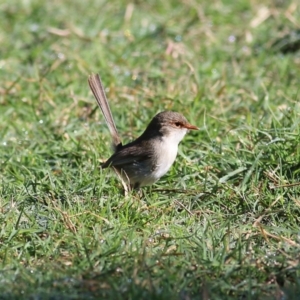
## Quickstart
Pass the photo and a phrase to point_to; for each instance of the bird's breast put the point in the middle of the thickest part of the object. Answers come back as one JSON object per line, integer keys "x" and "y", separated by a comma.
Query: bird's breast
{"x": 165, "y": 158}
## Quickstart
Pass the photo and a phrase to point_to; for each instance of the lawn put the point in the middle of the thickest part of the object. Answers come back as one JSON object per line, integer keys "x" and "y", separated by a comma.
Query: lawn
{"x": 223, "y": 223}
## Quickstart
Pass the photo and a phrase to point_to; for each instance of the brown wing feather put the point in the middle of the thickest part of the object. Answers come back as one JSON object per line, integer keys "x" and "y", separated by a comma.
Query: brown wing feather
{"x": 128, "y": 156}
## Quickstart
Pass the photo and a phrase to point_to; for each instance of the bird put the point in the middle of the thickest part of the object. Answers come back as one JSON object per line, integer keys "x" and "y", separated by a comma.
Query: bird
{"x": 145, "y": 160}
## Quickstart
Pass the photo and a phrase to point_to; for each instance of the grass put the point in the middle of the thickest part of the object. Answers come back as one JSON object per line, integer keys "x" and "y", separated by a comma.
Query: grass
{"x": 223, "y": 223}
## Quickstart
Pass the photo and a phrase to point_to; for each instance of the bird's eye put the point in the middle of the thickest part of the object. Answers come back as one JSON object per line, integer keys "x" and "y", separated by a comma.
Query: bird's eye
{"x": 177, "y": 124}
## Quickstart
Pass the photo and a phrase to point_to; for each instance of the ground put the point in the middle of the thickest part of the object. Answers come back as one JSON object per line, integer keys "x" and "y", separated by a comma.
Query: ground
{"x": 223, "y": 223}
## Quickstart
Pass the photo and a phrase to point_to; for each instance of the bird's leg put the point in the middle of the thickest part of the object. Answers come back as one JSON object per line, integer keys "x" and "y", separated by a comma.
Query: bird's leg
{"x": 126, "y": 185}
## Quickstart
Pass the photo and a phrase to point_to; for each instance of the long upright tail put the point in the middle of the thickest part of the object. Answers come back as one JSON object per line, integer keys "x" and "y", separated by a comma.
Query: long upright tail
{"x": 99, "y": 93}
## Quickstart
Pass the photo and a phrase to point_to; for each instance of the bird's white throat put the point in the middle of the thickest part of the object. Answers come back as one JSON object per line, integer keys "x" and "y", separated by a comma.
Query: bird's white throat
{"x": 168, "y": 151}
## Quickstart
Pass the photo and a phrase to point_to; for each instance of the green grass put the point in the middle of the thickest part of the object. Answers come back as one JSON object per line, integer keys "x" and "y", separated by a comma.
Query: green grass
{"x": 222, "y": 224}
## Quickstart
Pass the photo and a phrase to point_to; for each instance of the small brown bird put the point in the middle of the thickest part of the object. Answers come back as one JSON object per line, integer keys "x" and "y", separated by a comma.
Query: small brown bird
{"x": 149, "y": 157}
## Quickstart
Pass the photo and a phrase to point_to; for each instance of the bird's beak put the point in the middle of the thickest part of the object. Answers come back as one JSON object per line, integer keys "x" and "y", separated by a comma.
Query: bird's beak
{"x": 190, "y": 126}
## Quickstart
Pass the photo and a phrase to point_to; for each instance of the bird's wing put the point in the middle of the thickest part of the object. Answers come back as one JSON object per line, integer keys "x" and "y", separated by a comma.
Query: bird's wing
{"x": 128, "y": 156}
